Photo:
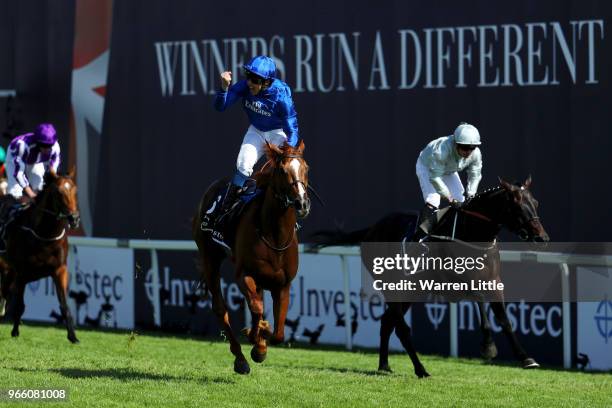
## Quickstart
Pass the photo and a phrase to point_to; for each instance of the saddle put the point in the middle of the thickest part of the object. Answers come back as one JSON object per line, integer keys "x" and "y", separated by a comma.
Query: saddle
{"x": 224, "y": 223}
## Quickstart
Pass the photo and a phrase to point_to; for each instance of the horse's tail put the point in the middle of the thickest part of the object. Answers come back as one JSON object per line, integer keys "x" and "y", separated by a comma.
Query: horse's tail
{"x": 325, "y": 238}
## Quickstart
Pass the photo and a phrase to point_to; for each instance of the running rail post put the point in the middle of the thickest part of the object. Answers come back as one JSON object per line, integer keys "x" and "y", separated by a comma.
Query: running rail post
{"x": 567, "y": 321}
{"x": 347, "y": 303}
{"x": 454, "y": 334}
{"x": 155, "y": 284}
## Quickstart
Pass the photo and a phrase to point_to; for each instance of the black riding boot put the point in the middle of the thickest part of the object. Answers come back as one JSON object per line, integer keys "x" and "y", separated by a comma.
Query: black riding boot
{"x": 427, "y": 220}
{"x": 232, "y": 195}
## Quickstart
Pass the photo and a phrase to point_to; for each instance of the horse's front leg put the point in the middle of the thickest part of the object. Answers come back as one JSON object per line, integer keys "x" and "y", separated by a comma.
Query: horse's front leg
{"x": 60, "y": 279}
{"x": 6, "y": 277}
{"x": 488, "y": 350}
{"x": 499, "y": 309}
{"x": 280, "y": 299}
{"x": 19, "y": 307}
{"x": 259, "y": 332}
{"x": 3, "y": 293}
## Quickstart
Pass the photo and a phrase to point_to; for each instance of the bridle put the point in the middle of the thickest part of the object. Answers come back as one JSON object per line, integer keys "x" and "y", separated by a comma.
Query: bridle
{"x": 61, "y": 215}
{"x": 285, "y": 202}
{"x": 520, "y": 229}
{"x": 283, "y": 197}
{"x": 71, "y": 217}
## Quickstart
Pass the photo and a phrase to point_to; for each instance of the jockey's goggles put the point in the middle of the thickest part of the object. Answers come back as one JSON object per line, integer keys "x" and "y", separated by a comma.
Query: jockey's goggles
{"x": 466, "y": 148}
{"x": 255, "y": 79}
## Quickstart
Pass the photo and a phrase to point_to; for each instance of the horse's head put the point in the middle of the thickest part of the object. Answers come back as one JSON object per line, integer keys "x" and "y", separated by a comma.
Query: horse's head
{"x": 522, "y": 212}
{"x": 60, "y": 197}
{"x": 289, "y": 179}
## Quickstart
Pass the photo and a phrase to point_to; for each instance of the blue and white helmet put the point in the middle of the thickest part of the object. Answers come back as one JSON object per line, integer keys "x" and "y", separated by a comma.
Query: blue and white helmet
{"x": 467, "y": 134}
{"x": 262, "y": 66}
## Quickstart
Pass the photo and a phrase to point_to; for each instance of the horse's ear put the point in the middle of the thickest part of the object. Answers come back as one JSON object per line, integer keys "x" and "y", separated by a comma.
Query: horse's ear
{"x": 50, "y": 176}
{"x": 72, "y": 172}
{"x": 301, "y": 147}
{"x": 505, "y": 184}
{"x": 273, "y": 152}
{"x": 527, "y": 182}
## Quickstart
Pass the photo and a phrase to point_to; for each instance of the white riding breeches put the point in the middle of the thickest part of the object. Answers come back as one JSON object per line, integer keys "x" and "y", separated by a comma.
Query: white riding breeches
{"x": 35, "y": 174}
{"x": 430, "y": 195}
{"x": 253, "y": 147}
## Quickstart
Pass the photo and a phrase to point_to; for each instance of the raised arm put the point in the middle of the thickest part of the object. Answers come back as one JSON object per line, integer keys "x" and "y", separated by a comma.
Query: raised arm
{"x": 289, "y": 118}
{"x": 228, "y": 95}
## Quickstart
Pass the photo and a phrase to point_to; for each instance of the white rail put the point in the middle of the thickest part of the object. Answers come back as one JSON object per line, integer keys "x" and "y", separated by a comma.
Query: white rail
{"x": 4, "y": 93}
{"x": 556, "y": 258}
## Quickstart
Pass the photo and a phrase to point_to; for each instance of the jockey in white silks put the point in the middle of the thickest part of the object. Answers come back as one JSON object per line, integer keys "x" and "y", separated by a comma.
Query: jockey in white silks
{"x": 437, "y": 170}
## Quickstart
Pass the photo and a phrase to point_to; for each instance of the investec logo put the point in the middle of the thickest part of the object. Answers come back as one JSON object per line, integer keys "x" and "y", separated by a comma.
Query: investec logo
{"x": 179, "y": 290}
{"x": 603, "y": 319}
{"x": 525, "y": 318}
{"x": 257, "y": 107}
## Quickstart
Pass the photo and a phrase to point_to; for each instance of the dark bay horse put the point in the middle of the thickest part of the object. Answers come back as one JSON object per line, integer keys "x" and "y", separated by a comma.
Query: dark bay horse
{"x": 479, "y": 220}
{"x": 264, "y": 248}
{"x": 37, "y": 247}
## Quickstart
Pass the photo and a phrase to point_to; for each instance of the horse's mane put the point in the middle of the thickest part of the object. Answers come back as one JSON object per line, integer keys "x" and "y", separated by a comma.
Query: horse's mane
{"x": 487, "y": 192}
{"x": 478, "y": 198}
{"x": 264, "y": 174}
{"x": 491, "y": 190}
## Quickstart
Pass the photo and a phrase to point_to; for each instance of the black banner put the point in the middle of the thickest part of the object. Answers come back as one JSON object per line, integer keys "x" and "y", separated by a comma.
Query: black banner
{"x": 372, "y": 86}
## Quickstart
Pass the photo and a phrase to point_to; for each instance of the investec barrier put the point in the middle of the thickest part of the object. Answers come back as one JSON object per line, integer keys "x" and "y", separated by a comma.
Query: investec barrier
{"x": 344, "y": 254}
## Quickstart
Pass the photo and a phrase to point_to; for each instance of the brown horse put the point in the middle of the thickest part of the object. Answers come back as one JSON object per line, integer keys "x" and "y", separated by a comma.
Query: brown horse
{"x": 37, "y": 247}
{"x": 264, "y": 246}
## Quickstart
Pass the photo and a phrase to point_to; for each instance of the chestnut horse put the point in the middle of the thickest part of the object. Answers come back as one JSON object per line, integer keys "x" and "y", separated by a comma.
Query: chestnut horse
{"x": 37, "y": 247}
{"x": 264, "y": 248}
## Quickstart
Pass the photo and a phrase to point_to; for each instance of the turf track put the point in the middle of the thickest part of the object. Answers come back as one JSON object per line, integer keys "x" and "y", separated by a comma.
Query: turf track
{"x": 114, "y": 369}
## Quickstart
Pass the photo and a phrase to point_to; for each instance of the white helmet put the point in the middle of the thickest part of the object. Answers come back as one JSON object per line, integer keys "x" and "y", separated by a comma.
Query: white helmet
{"x": 467, "y": 134}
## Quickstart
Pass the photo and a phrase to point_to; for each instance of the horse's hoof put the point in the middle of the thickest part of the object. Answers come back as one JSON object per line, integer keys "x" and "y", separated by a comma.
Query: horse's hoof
{"x": 421, "y": 373}
{"x": 15, "y": 333}
{"x": 488, "y": 351}
{"x": 241, "y": 366}
{"x": 385, "y": 368}
{"x": 530, "y": 363}
{"x": 257, "y": 356}
{"x": 275, "y": 341}
{"x": 73, "y": 339}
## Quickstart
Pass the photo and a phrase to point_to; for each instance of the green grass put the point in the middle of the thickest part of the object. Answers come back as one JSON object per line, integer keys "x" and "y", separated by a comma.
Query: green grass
{"x": 107, "y": 369}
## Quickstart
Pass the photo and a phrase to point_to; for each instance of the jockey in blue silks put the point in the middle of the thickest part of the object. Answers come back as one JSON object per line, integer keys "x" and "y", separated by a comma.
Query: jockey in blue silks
{"x": 269, "y": 106}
